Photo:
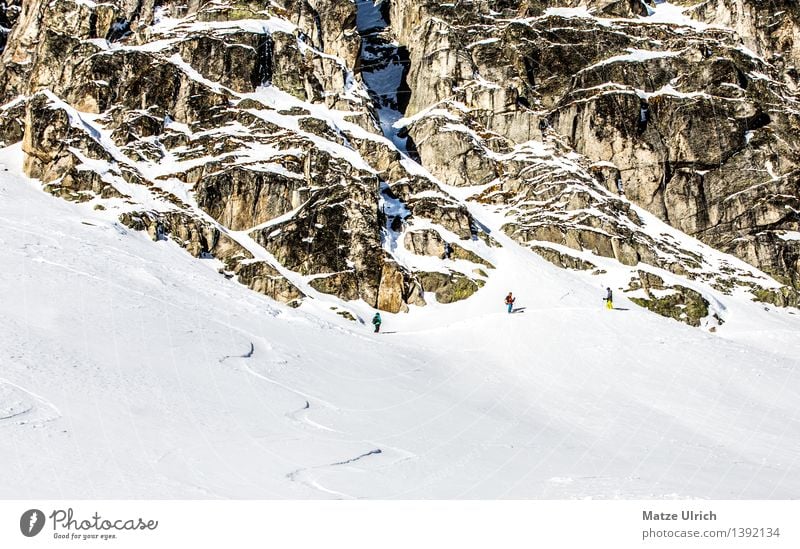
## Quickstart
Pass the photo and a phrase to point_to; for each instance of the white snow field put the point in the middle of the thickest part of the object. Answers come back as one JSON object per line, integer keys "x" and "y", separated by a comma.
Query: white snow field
{"x": 129, "y": 369}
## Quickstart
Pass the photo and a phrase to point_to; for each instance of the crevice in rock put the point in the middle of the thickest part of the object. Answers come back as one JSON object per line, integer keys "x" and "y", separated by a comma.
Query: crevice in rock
{"x": 120, "y": 29}
{"x": 262, "y": 72}
{"x": 318, "y": 25}
{"x": 411, "y": 146}
{"x": 742, "y": 79}
{"x": 758, "y": 121}
{"x": 5, "y": 24}
{"x": 384, "y": 68}
{"x": 574, "y": 131}
{"x": 404, "y": 90}
{"x": 662, "y": 190}
{"x": 702, "y": 202}
{"x": 92, "y": 25}
{"x": 530, "y": 71}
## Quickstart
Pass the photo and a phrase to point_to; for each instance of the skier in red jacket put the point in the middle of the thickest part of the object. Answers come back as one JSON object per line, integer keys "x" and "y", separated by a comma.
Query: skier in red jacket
{"x": 510, "y": 299}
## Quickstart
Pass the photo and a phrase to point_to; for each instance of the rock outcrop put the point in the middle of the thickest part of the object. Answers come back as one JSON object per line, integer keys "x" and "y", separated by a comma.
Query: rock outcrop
{"x": 678, "y": 302}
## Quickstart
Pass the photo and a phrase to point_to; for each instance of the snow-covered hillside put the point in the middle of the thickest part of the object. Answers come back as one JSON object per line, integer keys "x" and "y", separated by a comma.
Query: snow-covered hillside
{"x": 130, "y": 369}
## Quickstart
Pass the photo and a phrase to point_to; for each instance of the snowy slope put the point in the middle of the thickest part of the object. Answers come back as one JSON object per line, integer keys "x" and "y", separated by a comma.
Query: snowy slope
{"x": 130, "y": 369}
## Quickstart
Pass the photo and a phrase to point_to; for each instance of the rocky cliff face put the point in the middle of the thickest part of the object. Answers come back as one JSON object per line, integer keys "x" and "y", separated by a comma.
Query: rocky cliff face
{"x": 679, "y": 114}
{"x": 342, "y": 147}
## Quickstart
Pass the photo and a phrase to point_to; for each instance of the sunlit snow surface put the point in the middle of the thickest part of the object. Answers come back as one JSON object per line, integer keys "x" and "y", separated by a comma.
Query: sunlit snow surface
{"x": 130, "y": 369}
{"x": 662, "y": 12}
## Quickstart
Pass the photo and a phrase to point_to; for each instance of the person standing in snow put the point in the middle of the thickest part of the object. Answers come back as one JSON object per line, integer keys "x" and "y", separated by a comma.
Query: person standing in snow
{"x": 376, "y": 321}
{"x": 609, "y": 299}
{"x": 510, "y": 299}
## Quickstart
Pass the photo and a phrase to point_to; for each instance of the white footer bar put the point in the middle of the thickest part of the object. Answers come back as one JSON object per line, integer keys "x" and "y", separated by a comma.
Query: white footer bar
{"x": 399, "y": 524}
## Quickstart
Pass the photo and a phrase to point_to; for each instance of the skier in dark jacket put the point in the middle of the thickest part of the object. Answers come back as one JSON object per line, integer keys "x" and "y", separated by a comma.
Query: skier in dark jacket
{"x": 609, "y": 299}
{"x": 510, "y": 299}
{"x": 376, "y": 321}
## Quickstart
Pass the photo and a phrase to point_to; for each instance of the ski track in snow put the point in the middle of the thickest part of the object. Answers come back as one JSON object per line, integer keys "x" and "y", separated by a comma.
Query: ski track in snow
{"x": 289, "y": 388}
{"x": 24, "y": 406}
{"x": 302, "y": 474}
{"x": 248, "y": 354}
{"x": 352, "y": 460}
{"x": 301, "y": 416}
